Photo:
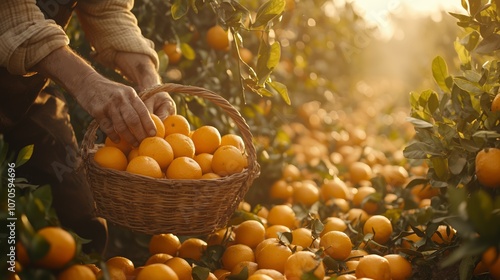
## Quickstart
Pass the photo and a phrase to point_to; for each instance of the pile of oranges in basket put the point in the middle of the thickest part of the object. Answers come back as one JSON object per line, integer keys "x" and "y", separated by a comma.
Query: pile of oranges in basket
{"x": 177, "y": 152}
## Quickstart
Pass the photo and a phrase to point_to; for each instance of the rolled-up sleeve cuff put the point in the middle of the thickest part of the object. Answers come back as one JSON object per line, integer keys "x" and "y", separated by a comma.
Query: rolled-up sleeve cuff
{"x": 27, "y": 44}
{"x": 107, "y": 53}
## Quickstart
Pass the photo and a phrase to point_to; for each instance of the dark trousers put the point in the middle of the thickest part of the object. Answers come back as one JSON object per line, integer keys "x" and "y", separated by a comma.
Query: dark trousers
{"x": 56, "y": 161}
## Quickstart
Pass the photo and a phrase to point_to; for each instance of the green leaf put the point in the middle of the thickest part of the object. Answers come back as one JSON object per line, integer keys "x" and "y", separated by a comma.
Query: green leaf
{"x": 479, "y": 210}
{"x": 268, "y": 11}
{"x": 163, "y": 61}
{"x": 457, "y": 163}
{"x": 24, "y": 155}
{"x": 473, "y": 247}
{"x": 419, "y": 150}
{"x": 470, "y": 40}
{"x": 179, "y": 9}
{"x": 44, "y": 194}
{"x": 489, "y": 44}
{"x": 187, "y": 51}
{"x": 468, "y": 86}
{"x": 282, "y": 91}
{"x": 440, "y": 166}
{"x": 419, "y": 123}
{"x": 440, "y": 72}
{"x": 285, "y": 237}
{"x": 463, "y": 55}
{"x": 268, "y": 59}
{"x": 200, "y": 273}
{"x": 274, "y": 56}
{"x": 38, "y": 247}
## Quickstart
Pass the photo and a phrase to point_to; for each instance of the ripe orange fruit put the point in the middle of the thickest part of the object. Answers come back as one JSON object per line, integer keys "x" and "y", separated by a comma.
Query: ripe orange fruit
{"x": 176, "y": 124}
{"x": 233, "y": 140}
{"x": 206, "y": 139}
{"x": 111, "y": 157}
{"x": 488, "y": 167}
{"x": 132, "y": 154}
{"x": 126, "y": 265}
{"x": 76, "y": 271}
{"x": 281, "y": 190}
{"x": 221, "y": 273}
{"x": 144, "y": 165}
{"x": 228, "y": 160}
{"x": 210, "y": 175}
{"x": 173, "y": 53}
{"x": 160, "y": 128}
{"x": 291, "y": 173}
{"x": 235, "y": 254}
{"x": 359, "y": 171}
{"x": 259, "y": 277}
{"x": 282, "y": 214}
{"x": 302, "y": 237}
{"x": 217, "y": 38}
{"x": 251, "y": 267}
{"x": 192, "y": 248}
{"x": 356, "y": 254}
{"x": 272, "y": 231}
{"x": 336, "y": 244}
{"x": 356, "y": 215}
{"x": 184, "y": 168}
{"x": 305, "y": 193}
{"x": 158, "y": 258}
{"x": 401, "y": 268}
{"x": 361, "y": 194}
{"x": 424, "y": 191}
{"x": 181, "y": 267}
{"x": 274, "y": 274}
{"x": 166, "y": 243}
{"x": 123, "y": 145}
{"x": 62, "y": 247}
{"x": 490, "y": 255}
{"x": 114, "y": 273}
{"x": 334, "y": 188}
{"x": 181, "y": 144}
{"x": 246, "y": 55}
{"x": 495, "y": 104}
{"x": 494, "y": 269}
{"x": 272, "y": 255}
{"x": 250, "y": 233}
{"x": 333, "y": 223}
{"x": 205, "y": 162}
{"x": 304, "y": 263}
{"x": 158, "y": 149}
{"x": 157, "y": 271}
{"x": 381, "y": 228}
{"x": 373, "y": 266}
{"x": 443, "y": 235}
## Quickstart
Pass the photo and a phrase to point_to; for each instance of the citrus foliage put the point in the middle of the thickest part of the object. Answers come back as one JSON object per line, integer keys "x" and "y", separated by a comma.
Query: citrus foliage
{"x": 454, "y": 123}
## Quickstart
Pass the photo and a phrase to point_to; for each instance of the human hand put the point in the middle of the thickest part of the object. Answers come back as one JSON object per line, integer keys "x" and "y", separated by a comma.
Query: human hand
{"x": 161, "y": 104}
{"x": 117, "y": 108}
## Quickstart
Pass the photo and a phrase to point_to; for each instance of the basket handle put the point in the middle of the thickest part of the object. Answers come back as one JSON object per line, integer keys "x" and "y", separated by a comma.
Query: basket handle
{"x": 90, "y": 136}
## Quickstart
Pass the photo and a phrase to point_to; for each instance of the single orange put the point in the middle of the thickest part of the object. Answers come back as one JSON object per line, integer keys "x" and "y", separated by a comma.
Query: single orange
{"x": 123, "y": 145}
{"x": 158, "y": 149}
{"x": 144, "y": 165}
{"x": 160, "y": 128}
{"x": 111, "y": 157}
{"x": 157, "y": 271}
{"x": 173, "y": 52}
{"x": 206, "y": 139}
{"x": 181, "y": 144}
{"x": 176, "y": 124}
{"x": 228, "y": 160}
{"x": 234, "y": 140}
{"x": 184, "y": 168}
{"x": 217, "y": 38}
{"x": 62, "y": 247}
{"x": 205, "y": 162}
{"x": 488, "y": 167}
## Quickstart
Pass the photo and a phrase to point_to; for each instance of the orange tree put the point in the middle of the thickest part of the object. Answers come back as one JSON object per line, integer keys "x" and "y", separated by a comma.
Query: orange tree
{"x": 453, "y": 124}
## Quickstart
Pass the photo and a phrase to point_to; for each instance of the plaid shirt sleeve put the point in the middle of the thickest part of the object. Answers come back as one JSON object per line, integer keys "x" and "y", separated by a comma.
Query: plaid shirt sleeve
{"x": 111, "y": 27}
{"x": 26, "y": 37}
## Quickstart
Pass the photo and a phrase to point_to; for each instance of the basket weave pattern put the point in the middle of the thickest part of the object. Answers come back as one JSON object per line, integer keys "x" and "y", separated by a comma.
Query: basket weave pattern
{"x": 183, "y": 207}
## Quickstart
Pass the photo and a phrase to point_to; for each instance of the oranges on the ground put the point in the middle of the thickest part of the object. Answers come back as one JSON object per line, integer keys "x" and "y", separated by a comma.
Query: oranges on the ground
{"x": 217, "y": 38}
{"x": 443, "y": 235}
{"x": 62, "y": 247}
{"x": 250, "y": 233}
{"x": 181, "y": 144}
{"x": 192, "y": 248}
{"x": 158, "y": 149}
{"x": 401, "y": 268}
{"x": 144, "y": 165}
{"x": 76, "y": 271}
{"x": 381, "y": 228}
{"x": 176, "y": 124}
{"x": 125, "y": 264}
{"x": 281, "y": 190}
{"x": 274, "y": 230}
{"x": 374, "y": 267}
{"x": 333, "y": 223}
{"x": 488, "y": 167}
{"x": 228, "y": 160}
{"x": 184, "y": 168}
{"x": 272, "y": 255}
{"x": 173, "y": 53}
{"x": 157, "y": 271}
{"x": 235, "y": 254}
{"x": 282, "y": 214}
{"x": 302, "y": 237}
{"x": 306, "y": 193}
{"x": 334, "y": 188}
{"x": 359, "y": 171}
{"x": 304, "y": 263}
{"x": 336, "y": 244}
{"x": 206, "y": 139}
{"x": 167, "y": 243}
{"x": 111, "y": 157}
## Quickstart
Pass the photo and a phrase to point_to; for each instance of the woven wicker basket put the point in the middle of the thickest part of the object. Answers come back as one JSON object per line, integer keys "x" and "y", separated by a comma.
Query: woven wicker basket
{"x": 182, "y": 207}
